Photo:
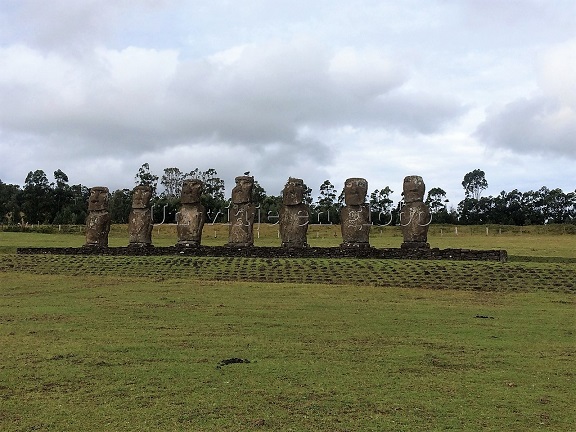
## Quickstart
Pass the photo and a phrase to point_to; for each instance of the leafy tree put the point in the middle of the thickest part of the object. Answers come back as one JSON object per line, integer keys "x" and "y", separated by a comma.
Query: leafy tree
{"x": 557, "y": 205}
{"x": 474, "y": 183}
{"x": 146, "y": 178}
{"x": 271, "y": 208}
{"x": 37, "y": 198}
{"x": 78, "y": 203}
{"x": 326, "y": 206}
{"x": 172, "y": 181}
{"x": 380, "y": 201}
{"x": 436, "y": 201}
{"x": 9, "y": 207}
{"x": 381, "y": 205}
{"x": 308, "y": 200}
{"x": 63, "y": 212}
{"x": 258, "y": 193}
{"x": 119, "y": 205}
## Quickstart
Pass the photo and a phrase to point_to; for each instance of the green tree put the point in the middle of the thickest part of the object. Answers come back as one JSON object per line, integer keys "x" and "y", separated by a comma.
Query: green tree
{"x": 327, "y": 209}
{"x": 37, "y": 198}
{"x": 63, "y": 211}
{"x": 172, "y": 181}
{"x": 557, "y": 205}
{"x": 380, "y": 201}
{"x": 9, "y": 206}
{"x": 146, "y": 178}
{"x": 474, "y": 183}
{"x": 120, "y": 205}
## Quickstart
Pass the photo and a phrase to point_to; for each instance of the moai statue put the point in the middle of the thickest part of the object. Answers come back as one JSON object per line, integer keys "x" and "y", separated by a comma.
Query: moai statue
{"x": 192, "y": 215}
{"x": 414, "y": 215}
{"x": 293, "y": 215}
{"x": 98, "y": 220}
{"x": 355, "y": 215}
{"x": 241, "y": 213}
{"x": 140, "y": 219}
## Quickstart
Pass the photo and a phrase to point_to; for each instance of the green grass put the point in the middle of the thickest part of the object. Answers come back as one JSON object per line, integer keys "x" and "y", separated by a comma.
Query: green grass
{"x": 136, "y": 343}
{"x": 117, "y": 353}
{"x": 534, "y": 241}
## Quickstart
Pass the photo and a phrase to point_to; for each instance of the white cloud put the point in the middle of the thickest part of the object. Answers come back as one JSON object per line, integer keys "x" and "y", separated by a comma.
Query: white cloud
{"x": 319, "y": 90}
{"x": 545, "y": 122}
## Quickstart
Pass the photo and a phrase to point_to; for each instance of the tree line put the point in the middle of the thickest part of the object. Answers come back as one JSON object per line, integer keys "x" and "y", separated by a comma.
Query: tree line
{"x": 40, "y": 201}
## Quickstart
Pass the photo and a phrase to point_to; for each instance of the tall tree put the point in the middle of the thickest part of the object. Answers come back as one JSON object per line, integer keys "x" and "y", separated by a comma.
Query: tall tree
{"x": 172, "y": 181}
{"x": 63, "y": 212}
{"x": 474, "y": 183}
{"x": 380, "y": 201}
{"x": 9, "y": 207}
{"x": 120, "y": 205}
{"x": 326, "y": 206}
{"x": 37, "y": 198}
{"x": 146, "y": 178}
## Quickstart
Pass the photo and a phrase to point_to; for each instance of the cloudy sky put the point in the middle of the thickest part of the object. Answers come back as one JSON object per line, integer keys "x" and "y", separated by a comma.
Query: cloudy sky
{"x": 316, "y": 89}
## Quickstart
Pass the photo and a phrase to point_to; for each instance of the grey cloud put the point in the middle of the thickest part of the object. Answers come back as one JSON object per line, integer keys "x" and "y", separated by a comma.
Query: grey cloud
{"x": 265, "y": 95}
{"x": 540, "y": 125}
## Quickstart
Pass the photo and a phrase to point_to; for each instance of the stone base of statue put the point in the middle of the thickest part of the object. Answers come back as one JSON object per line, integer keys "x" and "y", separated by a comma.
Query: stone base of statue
{"x": 189, "y": 225}
{"x": 354, "y": 245}
{"x": 295, "y": 245}
{"x": 188, "y": 243}
{"x": 97, "y": 229}
{"x": 137, "y": 245}
{"x": 294, "y": 225}
{"x": 240, "y": 233}
{"x": 415, "y": 245}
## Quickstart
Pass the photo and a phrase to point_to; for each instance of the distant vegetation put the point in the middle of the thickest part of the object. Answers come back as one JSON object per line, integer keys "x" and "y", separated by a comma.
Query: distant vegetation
{"x": 40, "y": 201}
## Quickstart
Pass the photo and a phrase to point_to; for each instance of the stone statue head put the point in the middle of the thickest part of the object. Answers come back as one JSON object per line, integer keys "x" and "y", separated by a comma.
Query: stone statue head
{"x": 293, "y": 193}
{"x": 413, "y": 189}
{"x": 355, "y": 190}
{"x": 141, "y": 196}
{"x": 98, "y": 198}
{"x": 242, "y": 192}
{"x": 191, "y": 191}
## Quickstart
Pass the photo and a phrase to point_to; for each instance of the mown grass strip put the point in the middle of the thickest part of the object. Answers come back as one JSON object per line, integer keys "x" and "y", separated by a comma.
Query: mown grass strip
{"x": 481, "y": 276}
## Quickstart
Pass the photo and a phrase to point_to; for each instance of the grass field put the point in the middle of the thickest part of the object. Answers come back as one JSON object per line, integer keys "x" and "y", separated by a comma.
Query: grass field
{"x": 232, "y": 344}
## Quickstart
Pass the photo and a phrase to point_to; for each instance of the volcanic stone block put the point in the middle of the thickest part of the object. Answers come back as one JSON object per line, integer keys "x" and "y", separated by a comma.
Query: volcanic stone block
{"x": 294, "y": 215}
{"x": 415, "y": 215}
{"x": 355, "y": 215}
{"x": 140, "y": 219}
{"x": 242, "y": 213}
{"x": 98, "y": 220}
{"x": 192, "y": 215}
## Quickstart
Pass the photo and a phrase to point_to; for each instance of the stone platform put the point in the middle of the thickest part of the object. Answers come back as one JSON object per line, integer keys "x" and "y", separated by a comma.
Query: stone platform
{"x": 283, "y": 252}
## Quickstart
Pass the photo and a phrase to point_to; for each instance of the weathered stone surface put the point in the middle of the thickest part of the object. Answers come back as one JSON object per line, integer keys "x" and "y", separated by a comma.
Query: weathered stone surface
{"x": 241, "y": 213}
{"x": 294, "y": 215}
{"x": 98, "y": 220}
{"x": 242, "y": 192}
{"x": 241, "y": 231}
{"x": 192, "y": 215}
{"x": 355, "y": 215}
{"x": 355, "y": 225}
{"x": 140, "y": 219}
{"x": 415, "y": 215}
